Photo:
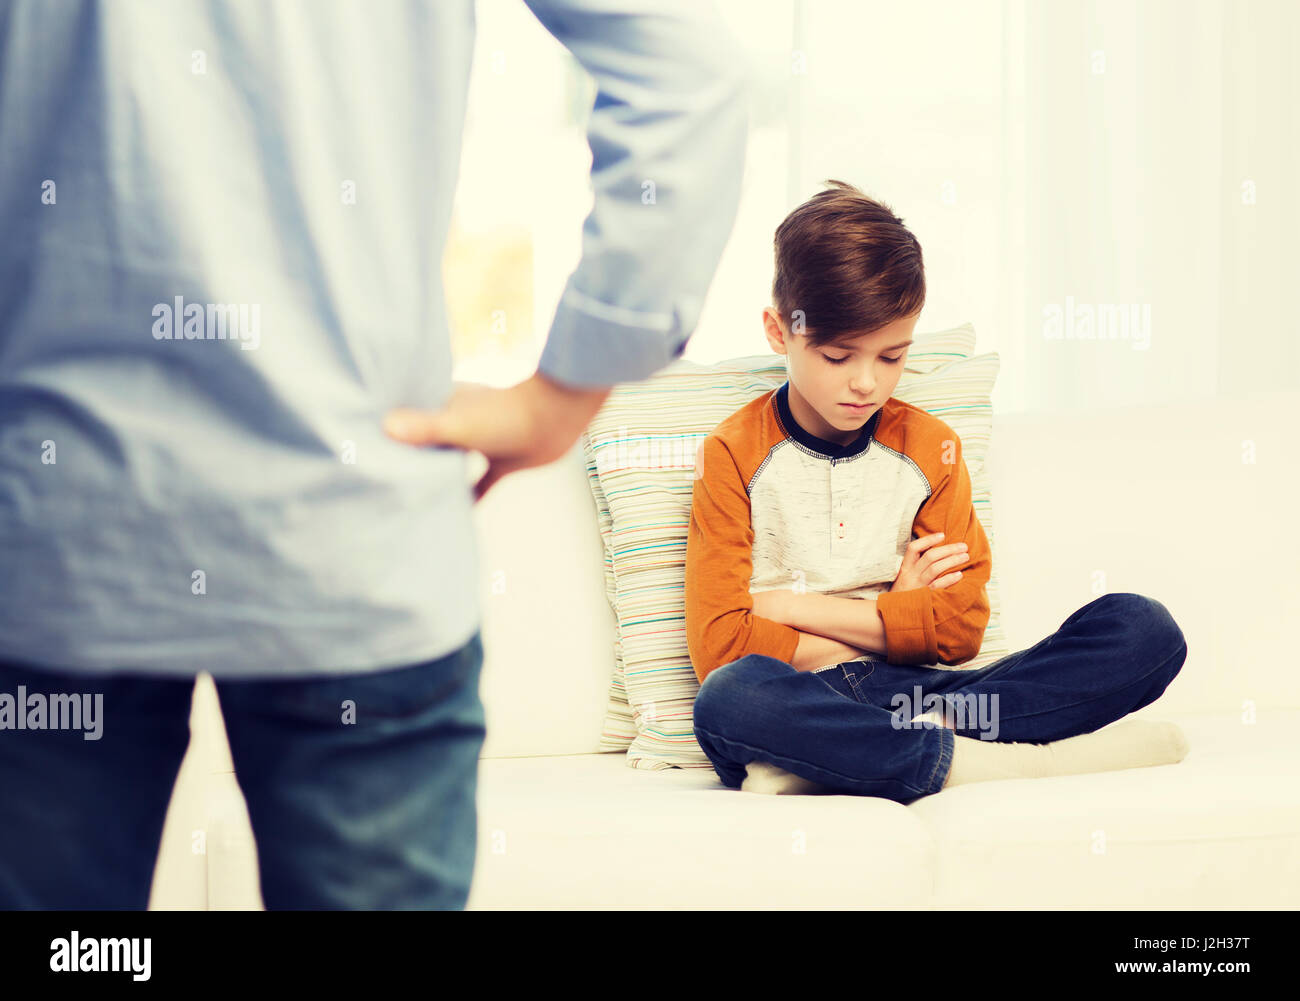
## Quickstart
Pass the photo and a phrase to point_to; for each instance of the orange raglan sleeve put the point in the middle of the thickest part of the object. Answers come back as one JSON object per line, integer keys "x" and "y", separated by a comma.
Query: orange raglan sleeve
{"x": 944, "y": 626}
{"x": 720, "y": 623}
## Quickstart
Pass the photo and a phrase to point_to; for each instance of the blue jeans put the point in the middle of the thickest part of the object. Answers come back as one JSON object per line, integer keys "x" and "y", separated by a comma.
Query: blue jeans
{"x": 847, "y": 727}
{"x": 375, "y": 814}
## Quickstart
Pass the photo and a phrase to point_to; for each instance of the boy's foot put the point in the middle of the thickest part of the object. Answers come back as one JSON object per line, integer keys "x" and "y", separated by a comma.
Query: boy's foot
{"x": 1130, "y": 744}
{"x": 935, "y": 717}
{"x": 762, "y": 776}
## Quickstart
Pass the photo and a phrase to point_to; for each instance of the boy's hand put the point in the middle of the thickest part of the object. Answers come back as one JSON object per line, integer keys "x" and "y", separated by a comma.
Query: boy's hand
{"x": 927, "y": 569}
{"x": 777, "y": 605}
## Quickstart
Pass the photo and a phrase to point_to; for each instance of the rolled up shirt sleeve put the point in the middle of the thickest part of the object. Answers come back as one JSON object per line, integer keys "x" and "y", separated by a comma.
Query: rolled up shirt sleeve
{"x": 667, "y": 134}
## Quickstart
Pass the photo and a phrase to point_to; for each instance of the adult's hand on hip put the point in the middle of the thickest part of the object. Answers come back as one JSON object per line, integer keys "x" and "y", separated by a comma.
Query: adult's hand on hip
{"x": 529, "y": 424}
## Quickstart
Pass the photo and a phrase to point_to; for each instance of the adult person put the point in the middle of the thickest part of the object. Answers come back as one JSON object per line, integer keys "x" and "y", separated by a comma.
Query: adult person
{"x": 223, "y": 226}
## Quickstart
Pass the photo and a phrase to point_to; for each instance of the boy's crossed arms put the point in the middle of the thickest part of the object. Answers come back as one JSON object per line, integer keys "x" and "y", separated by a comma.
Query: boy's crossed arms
{"x": 833, "y": 629}
{"x": 724, "y": 621}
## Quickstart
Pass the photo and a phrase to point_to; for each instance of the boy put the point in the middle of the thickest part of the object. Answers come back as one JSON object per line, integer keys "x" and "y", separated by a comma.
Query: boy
{"x": 834, "y": 562}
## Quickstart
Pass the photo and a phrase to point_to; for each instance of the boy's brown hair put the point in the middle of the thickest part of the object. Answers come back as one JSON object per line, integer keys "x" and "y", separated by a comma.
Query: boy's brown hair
{"x": 848, "y": 263}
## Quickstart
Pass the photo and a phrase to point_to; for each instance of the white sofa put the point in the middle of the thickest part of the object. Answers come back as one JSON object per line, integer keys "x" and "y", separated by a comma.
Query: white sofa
{"x": 1189, "y": 504}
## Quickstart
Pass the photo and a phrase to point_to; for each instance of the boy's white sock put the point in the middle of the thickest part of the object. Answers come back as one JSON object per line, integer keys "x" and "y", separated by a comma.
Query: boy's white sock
{"x": 762, "y": 776}
{"x": 934, "y": 716}
{"x": 1129, "y": 744}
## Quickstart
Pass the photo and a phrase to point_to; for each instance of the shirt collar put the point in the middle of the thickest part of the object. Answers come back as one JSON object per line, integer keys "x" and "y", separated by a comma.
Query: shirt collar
{"x": 820, "y": 446}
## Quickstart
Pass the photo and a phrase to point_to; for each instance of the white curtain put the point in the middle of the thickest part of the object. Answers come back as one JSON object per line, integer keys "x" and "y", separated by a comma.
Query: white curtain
{"x": 1129, "y": 170}
{"x": 1153, "y": 161}
{"x": 1062, "y": 162}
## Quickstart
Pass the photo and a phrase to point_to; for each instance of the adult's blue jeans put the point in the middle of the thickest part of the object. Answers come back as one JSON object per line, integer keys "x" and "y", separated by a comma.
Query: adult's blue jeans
{"x": 375, "y": 812}
{"x": 847, "y": 727}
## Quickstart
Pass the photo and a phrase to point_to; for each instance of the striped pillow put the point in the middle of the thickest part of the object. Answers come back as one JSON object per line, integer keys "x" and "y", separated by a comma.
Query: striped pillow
{"x": 640, "y": 451}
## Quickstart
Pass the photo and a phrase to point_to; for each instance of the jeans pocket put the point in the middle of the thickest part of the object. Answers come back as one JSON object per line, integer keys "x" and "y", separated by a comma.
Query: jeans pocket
{"x": 858, "y": 679}
{"x": 854, "y": 680}
{"x": 836, "y": 680}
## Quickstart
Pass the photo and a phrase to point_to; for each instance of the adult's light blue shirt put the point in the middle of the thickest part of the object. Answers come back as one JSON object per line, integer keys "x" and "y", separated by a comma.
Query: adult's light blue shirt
{"x": 178, "y": 496}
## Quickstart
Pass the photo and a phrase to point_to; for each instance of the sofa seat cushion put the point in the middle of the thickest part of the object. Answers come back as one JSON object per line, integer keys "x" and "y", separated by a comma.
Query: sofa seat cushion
{"x": 1219, "y": 830}
{"x": 587, "y": 831}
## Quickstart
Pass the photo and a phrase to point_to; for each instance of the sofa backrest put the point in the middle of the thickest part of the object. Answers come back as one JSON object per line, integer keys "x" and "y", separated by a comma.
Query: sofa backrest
{"x": 1185, "y": 503}
{"x": 548, "y": 629}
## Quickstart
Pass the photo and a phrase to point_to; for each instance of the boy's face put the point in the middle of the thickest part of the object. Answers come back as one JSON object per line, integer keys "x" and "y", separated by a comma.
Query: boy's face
{"x": 857, "y": 368}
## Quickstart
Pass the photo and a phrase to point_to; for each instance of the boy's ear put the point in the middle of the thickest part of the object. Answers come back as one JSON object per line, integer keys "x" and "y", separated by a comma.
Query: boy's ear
{"x": 776, "y": 336}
